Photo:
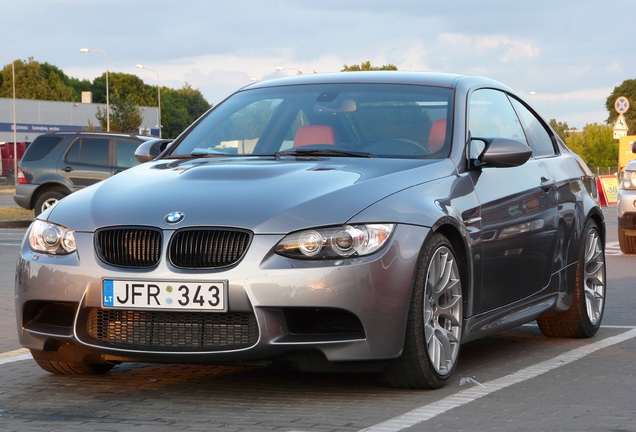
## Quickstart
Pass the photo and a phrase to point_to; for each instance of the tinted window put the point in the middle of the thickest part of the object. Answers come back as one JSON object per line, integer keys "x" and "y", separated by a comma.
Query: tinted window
{"x": 89, "y": 151}
{"x": 41, "y": 146}
{"x": 492, "y": 116}
{"x": 377, "y": 119}
{"x": 539, "y": 139}
{"x": 126, "y": 153}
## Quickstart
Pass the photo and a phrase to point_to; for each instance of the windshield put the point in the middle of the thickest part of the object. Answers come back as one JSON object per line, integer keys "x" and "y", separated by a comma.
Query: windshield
{"x": 369, "y": 120}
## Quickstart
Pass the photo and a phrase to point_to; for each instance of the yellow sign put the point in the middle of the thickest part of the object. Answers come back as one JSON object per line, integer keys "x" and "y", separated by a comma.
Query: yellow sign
{"x": 625, "y": 151}
{"x": 610, "y": 188}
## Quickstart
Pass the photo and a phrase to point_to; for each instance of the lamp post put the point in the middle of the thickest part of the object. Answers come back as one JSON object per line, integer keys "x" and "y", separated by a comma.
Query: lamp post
{"x": 158, "y": 96}
{"x": 88, "y": 50}
{"x": 15, "y": 137}
{"x": 298, "y": 71}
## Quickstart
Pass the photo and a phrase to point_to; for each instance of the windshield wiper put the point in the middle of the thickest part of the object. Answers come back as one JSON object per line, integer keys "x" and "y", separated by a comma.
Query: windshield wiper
{"x": 324, "y": 152}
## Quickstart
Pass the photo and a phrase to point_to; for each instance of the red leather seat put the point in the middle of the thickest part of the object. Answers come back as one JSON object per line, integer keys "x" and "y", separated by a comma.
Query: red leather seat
{"x": 314, "y": 134}
{"x": 437, "y": 135}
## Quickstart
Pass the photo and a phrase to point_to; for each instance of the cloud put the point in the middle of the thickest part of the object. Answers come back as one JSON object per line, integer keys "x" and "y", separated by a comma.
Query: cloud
{"x": 510, "y": 48}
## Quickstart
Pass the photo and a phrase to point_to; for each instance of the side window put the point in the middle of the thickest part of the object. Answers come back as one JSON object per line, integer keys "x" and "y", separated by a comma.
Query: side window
{"x": 41, "y": 146}
{"x": 125, "y": 152}
{"x": 491, "y": 115}
{"x": 89, "y": 151}
{"x": 539, "y": 139}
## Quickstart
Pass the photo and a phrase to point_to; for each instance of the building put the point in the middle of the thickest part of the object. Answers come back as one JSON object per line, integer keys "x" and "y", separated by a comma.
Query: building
{"x": 37, "y": 117}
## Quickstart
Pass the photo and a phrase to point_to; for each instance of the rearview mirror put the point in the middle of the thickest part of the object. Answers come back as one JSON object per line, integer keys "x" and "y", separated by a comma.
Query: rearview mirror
{"x": 502, "y": 152}
{"x": 149, "y": 150}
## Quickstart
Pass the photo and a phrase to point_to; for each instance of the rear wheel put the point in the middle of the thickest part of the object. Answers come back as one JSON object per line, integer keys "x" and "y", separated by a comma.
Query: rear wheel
{"x": 47, "y": 199}
{"x": 434, "y": 327}
{"x": 583, "y": 319}
{"x": 61, "y": 367}
{"x": 626, "y": 242}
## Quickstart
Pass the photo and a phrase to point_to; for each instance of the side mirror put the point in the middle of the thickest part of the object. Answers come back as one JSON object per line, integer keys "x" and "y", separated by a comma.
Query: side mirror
{"x": 502, "y": 152}
{"x": 149, "y": 150}
{"x": 633, "y": 146}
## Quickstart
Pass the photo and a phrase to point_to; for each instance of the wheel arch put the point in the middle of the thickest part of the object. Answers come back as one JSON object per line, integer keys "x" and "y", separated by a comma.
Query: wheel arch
{"x": 457, "y": 236}
{"x": 48, "y": 187}
{"x": 598, "y": 218}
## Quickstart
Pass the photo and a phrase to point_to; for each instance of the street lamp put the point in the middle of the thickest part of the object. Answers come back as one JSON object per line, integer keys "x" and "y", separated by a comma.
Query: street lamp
{"x": 15, "y": 137}
{"x": 158, "y": 97}
{"x": 280, "y": 68}
{"x": 88, "y": 50}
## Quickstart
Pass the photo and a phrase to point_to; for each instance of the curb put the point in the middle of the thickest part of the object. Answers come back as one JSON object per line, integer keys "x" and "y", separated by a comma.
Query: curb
{"x": 15, "y": 224}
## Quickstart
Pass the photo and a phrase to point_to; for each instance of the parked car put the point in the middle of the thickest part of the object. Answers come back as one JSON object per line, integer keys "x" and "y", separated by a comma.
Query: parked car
{"x": 355, "y": 221}
{"x": 59, "y": 163}
{"x": 626, "y": 208}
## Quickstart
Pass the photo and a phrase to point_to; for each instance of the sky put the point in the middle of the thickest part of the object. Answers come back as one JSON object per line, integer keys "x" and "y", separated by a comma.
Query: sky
{"x": 564, "y": 56}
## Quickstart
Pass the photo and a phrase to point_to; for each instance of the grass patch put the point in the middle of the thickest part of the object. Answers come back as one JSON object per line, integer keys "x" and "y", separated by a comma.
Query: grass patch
{"x": 7, "y": 189}
{"x": 15, "y": 214}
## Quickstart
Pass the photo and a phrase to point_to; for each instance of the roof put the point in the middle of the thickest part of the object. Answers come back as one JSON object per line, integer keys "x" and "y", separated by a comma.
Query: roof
{"x": 385, "y": 77}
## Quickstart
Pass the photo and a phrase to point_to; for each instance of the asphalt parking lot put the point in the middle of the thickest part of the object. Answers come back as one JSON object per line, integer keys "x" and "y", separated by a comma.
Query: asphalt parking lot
{"x": 517, "y": 380}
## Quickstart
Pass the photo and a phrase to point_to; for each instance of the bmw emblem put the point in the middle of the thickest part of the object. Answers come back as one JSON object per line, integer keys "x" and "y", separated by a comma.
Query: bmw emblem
{"x": 174, "y": 217}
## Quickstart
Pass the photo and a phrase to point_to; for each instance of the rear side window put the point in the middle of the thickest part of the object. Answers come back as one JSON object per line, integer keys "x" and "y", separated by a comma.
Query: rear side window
{"x": 89, "y": 151}
{"x": 539, "y": 139}
{"x": 126, "y": 153}
{"x": 40, "y": 147}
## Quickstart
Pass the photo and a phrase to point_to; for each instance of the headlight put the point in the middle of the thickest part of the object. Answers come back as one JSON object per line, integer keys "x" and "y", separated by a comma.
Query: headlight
{"x": 51, "y": 238}
{"x": 335, "y": 242}
{"x": 629, "y": 180}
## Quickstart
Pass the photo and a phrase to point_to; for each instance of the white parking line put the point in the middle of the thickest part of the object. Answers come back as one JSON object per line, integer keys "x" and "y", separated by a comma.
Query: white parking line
{"x": 14, "y": 356}
{"x": 464, "y": 397}
{"x": 613, "y": 249}
{"x": 427, "y": 412}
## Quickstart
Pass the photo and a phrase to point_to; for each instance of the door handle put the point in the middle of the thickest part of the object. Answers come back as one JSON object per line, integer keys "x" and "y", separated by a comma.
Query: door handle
{"x": 67, "y": 169}
{"x": 547, "y": 184}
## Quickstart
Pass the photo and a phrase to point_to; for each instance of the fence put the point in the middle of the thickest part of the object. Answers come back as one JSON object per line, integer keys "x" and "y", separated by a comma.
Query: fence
{"x": 599, "y": 171}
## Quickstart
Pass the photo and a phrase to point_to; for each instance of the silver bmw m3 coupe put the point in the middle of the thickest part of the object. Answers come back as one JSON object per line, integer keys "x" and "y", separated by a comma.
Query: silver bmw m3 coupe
{"x": 370, "y": 221}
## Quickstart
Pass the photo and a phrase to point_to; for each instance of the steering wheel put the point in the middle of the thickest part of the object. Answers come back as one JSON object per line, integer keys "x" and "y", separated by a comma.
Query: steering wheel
{"x": 422, "y": 149}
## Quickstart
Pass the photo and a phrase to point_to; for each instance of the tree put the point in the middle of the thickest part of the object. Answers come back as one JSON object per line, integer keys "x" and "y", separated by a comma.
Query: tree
{"x": 125, "y": 115}
{"x": 179, "y": 108}
{"x": 628, "y": 89}
{"x": 366, "y": 66}
{"x": 36, "y": 81}
{"x": 595, "y": 145}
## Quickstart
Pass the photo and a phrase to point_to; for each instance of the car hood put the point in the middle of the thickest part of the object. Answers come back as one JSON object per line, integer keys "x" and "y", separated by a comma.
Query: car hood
{"x": 264, "y": 195}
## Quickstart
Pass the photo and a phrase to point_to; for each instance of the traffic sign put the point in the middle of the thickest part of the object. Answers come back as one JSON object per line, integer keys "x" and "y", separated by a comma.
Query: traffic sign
{"x": 621, "y": 104}
{"x": 620, "y": 127}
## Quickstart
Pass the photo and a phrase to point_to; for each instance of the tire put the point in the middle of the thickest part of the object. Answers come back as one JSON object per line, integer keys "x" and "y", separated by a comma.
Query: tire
{"x": 60, "y": 367}
{"x": 46, "y": 200}
{"x": 583, "y": 319}
{"x": 626, "y": 242}
{"x": 434, "y": 326}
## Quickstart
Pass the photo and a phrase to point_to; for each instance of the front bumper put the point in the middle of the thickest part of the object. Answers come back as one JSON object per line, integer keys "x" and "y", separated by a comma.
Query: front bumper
{"x": 348, "y": 309}
{"x": 626, "y": 209}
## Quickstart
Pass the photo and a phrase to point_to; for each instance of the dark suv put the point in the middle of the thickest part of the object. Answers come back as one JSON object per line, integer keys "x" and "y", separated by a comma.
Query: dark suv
{"x": 59, "y": 163}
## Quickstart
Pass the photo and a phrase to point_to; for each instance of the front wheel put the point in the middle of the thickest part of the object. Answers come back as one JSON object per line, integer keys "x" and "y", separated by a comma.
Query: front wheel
{"x": 52, "y": 365}
{"x": 583, "y": 319}
{"x": 434, "y": 327}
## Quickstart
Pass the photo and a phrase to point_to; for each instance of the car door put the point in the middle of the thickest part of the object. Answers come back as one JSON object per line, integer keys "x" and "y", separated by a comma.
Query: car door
{"x": 86, "y": 162}
{"x": 518, "y": 211}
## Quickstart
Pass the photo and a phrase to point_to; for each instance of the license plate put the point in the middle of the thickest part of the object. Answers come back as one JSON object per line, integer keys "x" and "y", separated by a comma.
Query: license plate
{"x": 204, "y": 296}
